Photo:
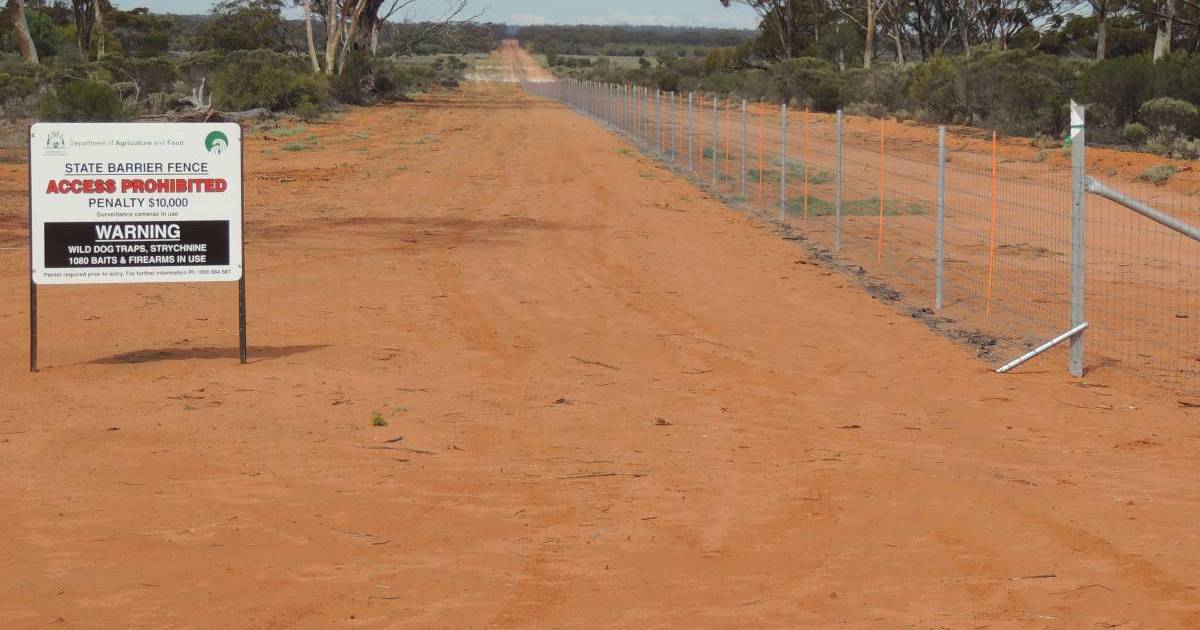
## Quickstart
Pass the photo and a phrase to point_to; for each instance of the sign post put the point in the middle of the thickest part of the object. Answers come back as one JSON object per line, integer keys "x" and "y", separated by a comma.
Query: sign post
{"x": 119, "y": 203}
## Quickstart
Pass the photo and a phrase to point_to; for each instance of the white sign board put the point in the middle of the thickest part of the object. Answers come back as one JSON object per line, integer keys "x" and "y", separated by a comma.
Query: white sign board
{"x": 136, "y": 202}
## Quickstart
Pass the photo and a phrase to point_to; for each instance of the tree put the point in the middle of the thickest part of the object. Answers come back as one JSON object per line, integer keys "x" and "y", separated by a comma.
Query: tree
{"x": 98, "y": 10}
{"x": 354, "y": 25}
{"x": 247, "y": 25}
{"x": 16, "y": 11}
{"x": 1164, "y": 20}
{"x": 85, "y": 12}
{"x": 864, "y": 13}
{"x": 777, "y": 18}
{"x": 308, "y": 31}
{"x": 1100, "y": 10}
{"x": 453, "y": 18}
{"x": 140, "y": 33}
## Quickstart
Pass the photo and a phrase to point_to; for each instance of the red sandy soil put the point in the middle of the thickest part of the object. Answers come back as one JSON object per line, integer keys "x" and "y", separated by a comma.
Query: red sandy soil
{"x": 611, "y": 402}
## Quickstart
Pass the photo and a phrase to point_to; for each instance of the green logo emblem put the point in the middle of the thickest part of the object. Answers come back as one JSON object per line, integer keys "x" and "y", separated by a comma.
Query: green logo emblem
{"x": 216, "y": 142}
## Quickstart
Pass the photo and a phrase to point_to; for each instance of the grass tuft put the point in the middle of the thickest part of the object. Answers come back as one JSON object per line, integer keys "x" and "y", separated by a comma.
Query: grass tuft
{"x": 859, "y": 207}
{"x": 1159, "y": 175}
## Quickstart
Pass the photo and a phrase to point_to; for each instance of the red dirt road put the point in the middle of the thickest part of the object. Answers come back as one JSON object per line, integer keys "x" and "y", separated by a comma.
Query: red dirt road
{"x": 621, "y": 403}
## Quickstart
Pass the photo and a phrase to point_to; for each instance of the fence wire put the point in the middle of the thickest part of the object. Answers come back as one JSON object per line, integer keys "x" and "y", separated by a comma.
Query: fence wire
{"x": 978, "y": 243}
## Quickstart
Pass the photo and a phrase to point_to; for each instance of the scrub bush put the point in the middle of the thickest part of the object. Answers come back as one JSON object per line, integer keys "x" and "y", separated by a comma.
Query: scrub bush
{"x": 84, "y": 101}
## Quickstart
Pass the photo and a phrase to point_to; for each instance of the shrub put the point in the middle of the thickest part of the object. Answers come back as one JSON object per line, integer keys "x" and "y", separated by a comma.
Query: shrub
{"x": 1120, "y": 83}
{"x": 1018, "y": 92}
{"x": 309, "y": 113}
{"x": 369, "y": 80}
{"x": 394, "y": 80}
{"x": 1158, "y": 174}
{"x": 870, "y": 110}
{"x": 247, "y": 25}
{"x": 261, "y": 78}
{"x": 934, "y": 88}
{"x": 1167, "y": 115}
{"x": 1185, "y": 149}
{"x": 351, "y": 85}
{"x": 150, "y": 75}
{"x": 84, "y": 101}
{"x": 666, "y": 79}
{"x": 882, "y": 84}
{"x": 809, "y": 79}
{"x": 20, "y": 85}
{"x": 1135, "y": 134}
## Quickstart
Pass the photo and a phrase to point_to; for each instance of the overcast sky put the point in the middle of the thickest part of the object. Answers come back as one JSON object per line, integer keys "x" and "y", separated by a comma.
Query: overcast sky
{"x": 659, "y": 12}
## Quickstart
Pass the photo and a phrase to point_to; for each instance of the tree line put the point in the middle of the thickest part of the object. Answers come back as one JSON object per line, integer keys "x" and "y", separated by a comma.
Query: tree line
{"x": 628, "y": 41}
{"x": 1008, "y": 65}
{"x": 91, "y": 60}
{"x": 909, "y": 30}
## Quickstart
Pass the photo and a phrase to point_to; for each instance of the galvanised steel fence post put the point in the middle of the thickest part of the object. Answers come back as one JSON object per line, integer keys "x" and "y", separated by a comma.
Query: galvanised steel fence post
{"x": 658, "y": 121}
{"x": 646, "y": 119}
{"x": 674, "y": 130}
{"x": 649, "y": 116}
{"x": 637, "y": 114}
{"x": 633, "y": 113}
{"x": 645, "y": 122}
{"x": 745, "y": 137}
{"x": 637, "y": 97}
{"x": 837, "y": 188}
{"x": 716, "y": 146}
{"x": 1078, "y": 233}
{"x": 691, "y": 132}
{"x": 783, "y": 161}
{"x": 941, "y": 216}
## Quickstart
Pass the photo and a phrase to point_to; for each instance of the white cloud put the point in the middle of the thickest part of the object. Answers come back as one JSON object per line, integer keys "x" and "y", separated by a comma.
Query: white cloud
{"x": 729, "y": 20}
{"x": 527, "y": 19}
{"x": 621, "y": 17}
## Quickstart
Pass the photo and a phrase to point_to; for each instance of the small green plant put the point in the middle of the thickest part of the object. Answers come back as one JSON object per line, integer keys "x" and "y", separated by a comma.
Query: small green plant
{"x": 867, "y": 207}
{"x": 1158, "y": 174}
{"x": 1156, "y": 146}
{"x": 765, "y": 175}
{"x": 309, "y": 112}
{"x": 816, "y": 176}
{"x": 377, "y": 420}
{"x": 287, "y": 132}
{"x": 1135, "y": 134}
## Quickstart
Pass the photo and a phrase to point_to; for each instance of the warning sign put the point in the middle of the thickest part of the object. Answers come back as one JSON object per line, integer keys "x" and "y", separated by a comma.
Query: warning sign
{"x": 140, "y": 202}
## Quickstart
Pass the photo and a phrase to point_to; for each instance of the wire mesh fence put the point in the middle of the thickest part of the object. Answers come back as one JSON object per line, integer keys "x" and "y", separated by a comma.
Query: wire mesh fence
{"x": 973, "y": 233}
